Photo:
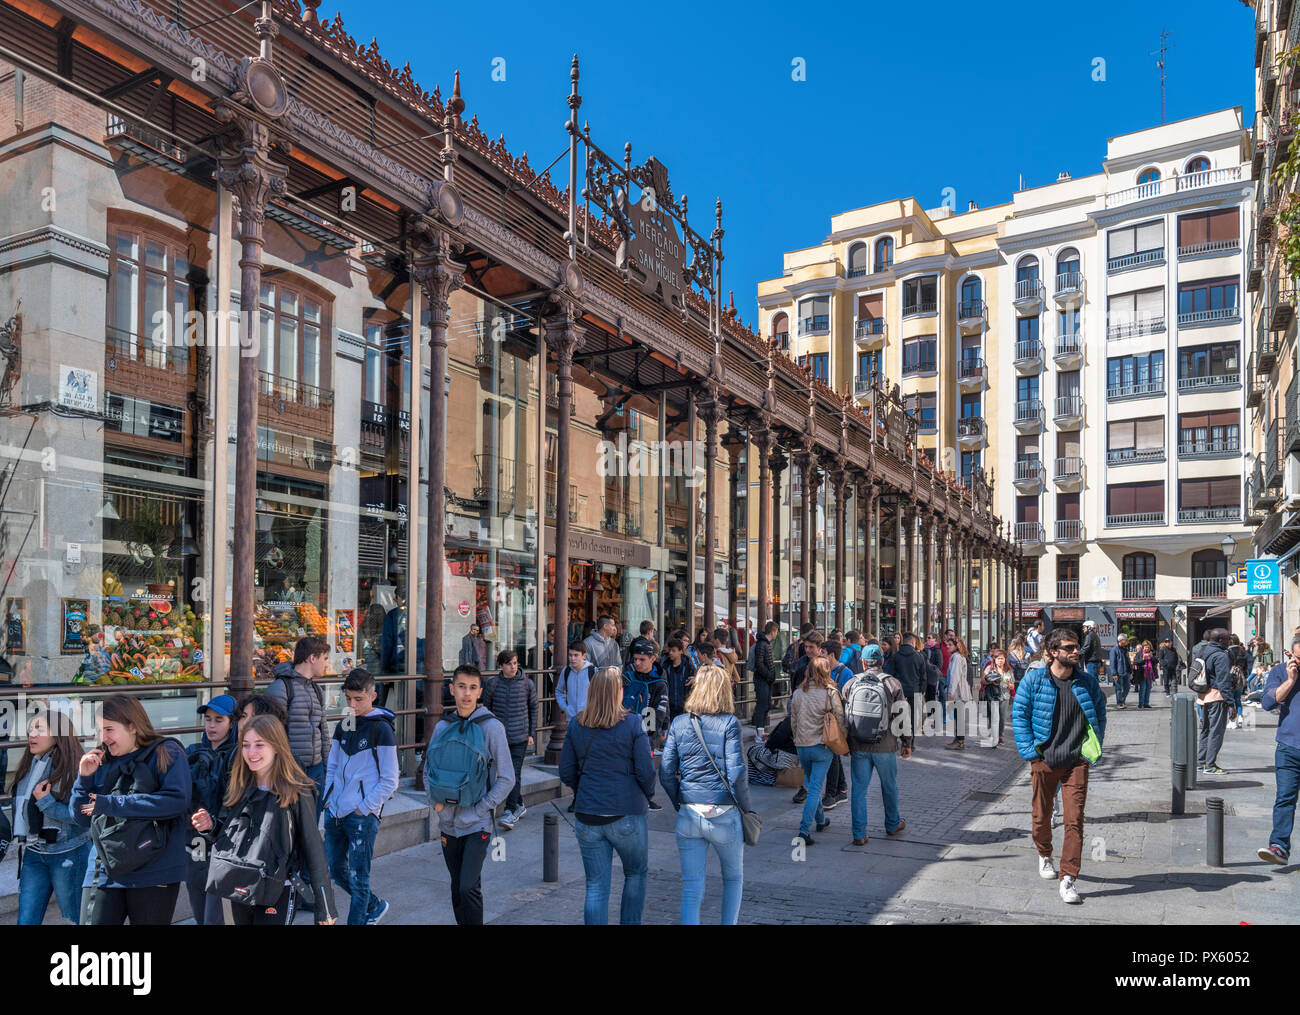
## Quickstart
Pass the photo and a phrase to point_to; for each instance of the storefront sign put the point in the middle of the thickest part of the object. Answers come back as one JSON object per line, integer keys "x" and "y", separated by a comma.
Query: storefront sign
{"x": 15, "y": 626}
{"x": 1135, "y": 613}
{"x": 602, "y": 549}
{"x": 1025, "y": 611}
{"x": 656, "y": 248}
{"x": 75, "y": 612}
{"x": 78, "y": 388}
{"x": 1064, "y": 613}
{"x": 463, "y": 608}
{"x": 1263, "y": 577}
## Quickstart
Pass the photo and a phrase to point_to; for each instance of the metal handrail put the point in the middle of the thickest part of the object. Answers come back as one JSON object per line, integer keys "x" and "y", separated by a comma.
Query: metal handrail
{"x": 1138, "y": 588}
{"x": 1155, "y": 255}
{"x": 1120, "y": 456}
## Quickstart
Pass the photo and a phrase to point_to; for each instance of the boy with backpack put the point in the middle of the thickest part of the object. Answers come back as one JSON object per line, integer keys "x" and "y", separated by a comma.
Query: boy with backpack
{"x": 210, "y": 760}
{"x": 296, "y": 686}
{"x": 512, "y": 698}
{"x": 572, "y": 683}
{"x": 875, "y": 741}
{"x": 359, "y": 778}
{"x": 467, "y": 774}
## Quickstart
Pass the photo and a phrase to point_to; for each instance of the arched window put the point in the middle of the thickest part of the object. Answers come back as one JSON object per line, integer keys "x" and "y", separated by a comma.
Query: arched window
{"x": 972, "y": 292}
{"x": 1027, "y": 270}
{"x": 1067, "y": 261}
{"x": 1200, "y": 164}
{"x": 884, "y": 252}
{"x": 1209, "y": 564}
{"x": 781, "y": 330}
{"x": 1139, "y": 567}
{"x": 1151, "y": 175}
{"x": 857, "y": 260}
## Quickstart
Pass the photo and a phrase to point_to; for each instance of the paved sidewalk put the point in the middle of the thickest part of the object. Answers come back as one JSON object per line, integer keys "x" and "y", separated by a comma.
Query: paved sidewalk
{"x": 966, "y": 855}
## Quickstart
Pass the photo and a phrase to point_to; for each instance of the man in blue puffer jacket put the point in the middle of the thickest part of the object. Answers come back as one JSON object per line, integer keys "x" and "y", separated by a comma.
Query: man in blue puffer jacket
{"x": 1055, "y": 709}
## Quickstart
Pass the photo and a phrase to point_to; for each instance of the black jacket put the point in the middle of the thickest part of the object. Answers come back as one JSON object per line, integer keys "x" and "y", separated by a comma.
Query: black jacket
{"x": 763, "y": 668}
{"x": 1167, "y": 659}
{"x": 1090, "y": 650}
{"x": 909, "y": 668}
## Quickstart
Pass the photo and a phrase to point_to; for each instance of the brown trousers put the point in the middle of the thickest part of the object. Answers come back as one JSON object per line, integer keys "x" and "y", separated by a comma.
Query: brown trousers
{"x": 1074, "y": 794}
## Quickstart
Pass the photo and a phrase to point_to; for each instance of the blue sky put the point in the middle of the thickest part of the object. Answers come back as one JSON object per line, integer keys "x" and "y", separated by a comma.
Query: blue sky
{"x": 899, "y": 99}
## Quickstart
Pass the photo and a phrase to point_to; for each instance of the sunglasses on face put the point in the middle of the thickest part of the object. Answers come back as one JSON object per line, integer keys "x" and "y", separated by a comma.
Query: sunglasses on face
{"x": 1067, "y": 648}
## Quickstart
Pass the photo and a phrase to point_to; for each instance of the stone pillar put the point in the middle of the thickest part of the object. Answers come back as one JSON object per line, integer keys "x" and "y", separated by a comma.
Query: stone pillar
{"x": 561, "y": 333}
{"x": 837, "y": 485}
{"x": 245, "y": 169}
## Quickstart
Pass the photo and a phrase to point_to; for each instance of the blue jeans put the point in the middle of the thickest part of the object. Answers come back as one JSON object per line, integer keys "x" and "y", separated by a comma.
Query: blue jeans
{"x": 349, "y": 848}
{"x": 630, "y": 837}
{"x": 1094, "y": 670}
{"x": 694, "y": 836}
{"x": 316, "y": 773}
{"x": 57, "y": 874}
{"x": 863, "y": 764}
{"x": 1121, "y": 687}
{"x": 816, "y": 762}
{"x": 1144, "y": 694}
{"x": 1286, "y": 762}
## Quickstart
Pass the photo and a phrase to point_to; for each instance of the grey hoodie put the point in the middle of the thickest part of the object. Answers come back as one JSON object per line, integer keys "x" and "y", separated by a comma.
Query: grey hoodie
{"x": 461, "y": 821}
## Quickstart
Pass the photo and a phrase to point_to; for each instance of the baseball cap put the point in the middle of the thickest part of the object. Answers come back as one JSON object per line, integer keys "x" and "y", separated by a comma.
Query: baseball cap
{"x": 872, "y": 652}
{"x": 222, "y": 704}
{"x": 641, "y": 647}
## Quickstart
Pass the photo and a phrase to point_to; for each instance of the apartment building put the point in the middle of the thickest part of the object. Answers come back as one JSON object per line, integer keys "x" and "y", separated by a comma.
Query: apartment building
{"x": 1273, "y": 486}
{"x": 1082, "y": 343}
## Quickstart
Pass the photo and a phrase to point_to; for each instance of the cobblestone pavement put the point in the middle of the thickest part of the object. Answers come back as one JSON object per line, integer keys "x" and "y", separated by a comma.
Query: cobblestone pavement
{"x": 965, "y": 857}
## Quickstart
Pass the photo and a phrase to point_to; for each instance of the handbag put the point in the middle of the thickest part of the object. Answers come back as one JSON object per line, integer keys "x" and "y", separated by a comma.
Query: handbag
{"x": 751, "y": 822}
{"x": 832, "y": 736}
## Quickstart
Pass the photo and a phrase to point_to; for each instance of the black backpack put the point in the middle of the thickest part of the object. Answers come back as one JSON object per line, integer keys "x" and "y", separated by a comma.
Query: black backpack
{"x": 209, "y": 774}
{"x": 251, "y": 859}
{"x": 125, "y": 845}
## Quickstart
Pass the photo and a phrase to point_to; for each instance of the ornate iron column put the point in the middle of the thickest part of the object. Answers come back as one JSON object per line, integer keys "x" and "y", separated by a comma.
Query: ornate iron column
{"x": 763, "y": 440}
{"x": 870, "y": 579}
{"x": 837, "y": 485}
{"x": 910, "y": 522}
{"x": 245, "y": 168}
{"x": 709, "y": 410}
{"x": 734, "y": 442}
{"x": 814, "y": 492}
{"x": 803, "y": 462}
{"x": 927, "y": 541}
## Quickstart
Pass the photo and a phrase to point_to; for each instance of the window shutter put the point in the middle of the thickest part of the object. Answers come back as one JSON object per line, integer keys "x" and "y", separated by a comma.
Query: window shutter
{"x": 1027, "y": 509}
{"x": 1150, "y": 304}
{"x": 1149, "y": 497}
{"x": 1121, "y": 309}
{"x": 1193, "y": 420}
{"x": 1194, "y": 493}
{"x": 1192, "y": 229}
{"x": 1150, "y": 433}
{"x": 1069, "y": 445}
{"x": 1119, "y": 500}
{"x": 1229, "y": 417}
{"x": 1224, "y": 224}
{"x": 1122, "y": 435}
{"x": 1120, "y": 242}
{"x": 1067, "y": 383}
{"x": 1151, "y": 235}
{"x": 1067, "y": 507}
{"x": 871, "y": 306}
{"x": 1225, "y": 491}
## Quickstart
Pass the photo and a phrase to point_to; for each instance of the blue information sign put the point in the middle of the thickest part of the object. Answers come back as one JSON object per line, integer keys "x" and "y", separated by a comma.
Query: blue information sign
{"x": 1263, "y": 577}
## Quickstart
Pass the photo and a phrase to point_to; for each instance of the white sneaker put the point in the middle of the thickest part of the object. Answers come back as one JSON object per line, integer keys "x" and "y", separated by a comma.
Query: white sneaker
{"x": 508, "y": 819}
{"x": 1068, "y": 894}
{"x": 519, "y": 814}
{"x": 1045, "y": 868}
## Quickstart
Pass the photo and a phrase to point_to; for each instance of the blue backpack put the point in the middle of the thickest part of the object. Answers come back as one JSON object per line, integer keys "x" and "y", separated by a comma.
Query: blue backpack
{"x": 456, "y": 763}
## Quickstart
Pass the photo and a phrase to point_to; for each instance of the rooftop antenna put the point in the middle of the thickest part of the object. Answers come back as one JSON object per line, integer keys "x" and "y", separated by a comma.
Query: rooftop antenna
{"x": 1164, "y": 49}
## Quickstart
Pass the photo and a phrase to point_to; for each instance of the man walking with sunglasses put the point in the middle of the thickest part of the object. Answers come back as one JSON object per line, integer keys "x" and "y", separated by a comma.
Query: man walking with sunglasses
{"x": 1059, "y": 721}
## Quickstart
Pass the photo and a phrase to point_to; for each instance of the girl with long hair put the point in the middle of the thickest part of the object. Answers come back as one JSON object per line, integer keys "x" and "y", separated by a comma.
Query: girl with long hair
{"x": 704, "y": 773}
{"x": 815, "y": 698}
{"x": 606, "y": 760}
{"x": 266, "y": 780}
{"x": 133, "y": 792}
{"x": 52, "y": 847}
{"x": 959, "y": 688}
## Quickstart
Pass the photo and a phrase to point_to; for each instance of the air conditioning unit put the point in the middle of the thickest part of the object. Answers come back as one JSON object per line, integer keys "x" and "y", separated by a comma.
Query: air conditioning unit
{"x": 1291, "y": 483}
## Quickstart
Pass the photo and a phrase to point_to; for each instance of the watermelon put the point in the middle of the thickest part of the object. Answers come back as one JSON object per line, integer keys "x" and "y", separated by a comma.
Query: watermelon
{"x": 161, "y": 606}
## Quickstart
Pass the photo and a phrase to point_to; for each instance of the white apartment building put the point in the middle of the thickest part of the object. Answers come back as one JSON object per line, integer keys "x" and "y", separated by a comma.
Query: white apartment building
{"x": 1124, "y": 324}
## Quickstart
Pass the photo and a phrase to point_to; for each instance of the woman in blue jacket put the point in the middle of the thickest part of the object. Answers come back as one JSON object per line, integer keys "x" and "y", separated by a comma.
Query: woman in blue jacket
{"x": 52, "y": 848}
{"x": 606, "y": 761}
{"x": 137, "y": 775}
{"x": 708, "y": 782}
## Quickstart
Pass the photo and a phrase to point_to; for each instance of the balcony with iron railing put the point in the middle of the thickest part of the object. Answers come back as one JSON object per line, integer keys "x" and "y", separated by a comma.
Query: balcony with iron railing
{"x": 869, "y": 333}
{"x": 1069, "y": 469}
{"x": 1282, "y": 307}
{"x": 1255, "y": 269}
{"x": 862, "y": 388}
{"x": 970, "y": 431}
{"x": 1029, "y": 533}
{"x": 1029, "y": 475}
{"x": 309, "y": 396}
{"x": 1256, "y": 383}
{"x": 1133, "y": 520}
{"x": 1028, "y": 356}
{"x": 1210, "y": 248}
{"x": 498, "y": 479}
{"x": 970, "y": 314}
{"x": 970, "y": 372}
{"x": 1210, "y": 382}
{"x": 1204, "y": 447}
{"x": 1266, "y": 345}
{"x": 1201, "y": 515}
{"x": 1292, "y": 419}
{"x": 1068, "y": 410}
{"x": 817, "y": 324}
{"x": 1219, "y": 315}
{"x": 1132, "y": 456}
{"x": 1138, "y": 588}
{"x": 1067, "y": 591}
{"x": 1174, "y": 184}
{"x": 1150, "y": 325}
{"x": 1267, "y": 489}
{"x": 920, "y": 308}
{"x": 1210, "y": 588}
{"x": 856, "y": 272}
{"x": 1139, "y": 389}
{"x": 145, "y": 144}
{"x": 1138, "y": 259}
{"x": 1029, "y": 591}
{"x": 1068, "y": 349}
{"x": 1069, "y": 286}
{"x": 1029, "y": 414}
{"x": 1069, "y": 530}
{"x": 1275, "y": 453}
{"x": 1029, "y": 294}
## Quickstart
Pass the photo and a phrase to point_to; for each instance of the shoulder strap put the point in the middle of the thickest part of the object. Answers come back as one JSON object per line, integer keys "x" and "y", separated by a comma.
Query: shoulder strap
{"x": 699, "y": 733}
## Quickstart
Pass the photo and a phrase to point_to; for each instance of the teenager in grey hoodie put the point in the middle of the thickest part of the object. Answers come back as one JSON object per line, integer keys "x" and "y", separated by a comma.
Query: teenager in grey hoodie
{"x": 466, "y": 831}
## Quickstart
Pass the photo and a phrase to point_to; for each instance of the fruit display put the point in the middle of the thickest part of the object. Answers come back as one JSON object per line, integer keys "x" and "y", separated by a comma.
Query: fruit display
{"x": 144, "y": 641}
{"x": 312, "y": 619}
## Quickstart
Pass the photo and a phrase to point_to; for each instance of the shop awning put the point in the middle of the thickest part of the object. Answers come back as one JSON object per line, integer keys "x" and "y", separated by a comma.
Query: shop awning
{"x": 1220, "y": 611}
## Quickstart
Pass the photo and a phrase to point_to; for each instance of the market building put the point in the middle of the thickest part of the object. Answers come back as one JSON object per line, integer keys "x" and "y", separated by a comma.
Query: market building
{"x": 276, "y": 315}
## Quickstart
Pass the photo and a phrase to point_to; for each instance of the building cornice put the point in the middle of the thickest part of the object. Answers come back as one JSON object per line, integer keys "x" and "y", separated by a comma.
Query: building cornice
{"x": 52, "y": 244}
{"x": 350, "y": 346}
{"x": 1191, "y": 146}
{"x": 1047, "y": 237}
{"x": 1224, "y": 194}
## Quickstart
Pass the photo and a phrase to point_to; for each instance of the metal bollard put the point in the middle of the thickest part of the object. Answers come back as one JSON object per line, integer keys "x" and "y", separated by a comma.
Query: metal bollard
{"x": 1193, "y": 741}
{"x": 1214, "y": 831}
{"x": 1182, "y": 736}
{"x": 551, "y": 848}
{"x": 1179, "y": 805}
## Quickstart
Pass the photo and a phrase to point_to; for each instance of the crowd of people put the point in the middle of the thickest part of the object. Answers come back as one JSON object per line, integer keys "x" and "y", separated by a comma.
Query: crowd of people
{"x": 269, "y": 811}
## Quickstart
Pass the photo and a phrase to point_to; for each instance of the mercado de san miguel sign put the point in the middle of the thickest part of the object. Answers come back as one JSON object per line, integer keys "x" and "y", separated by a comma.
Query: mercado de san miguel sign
{"x": 655, "y": 250}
